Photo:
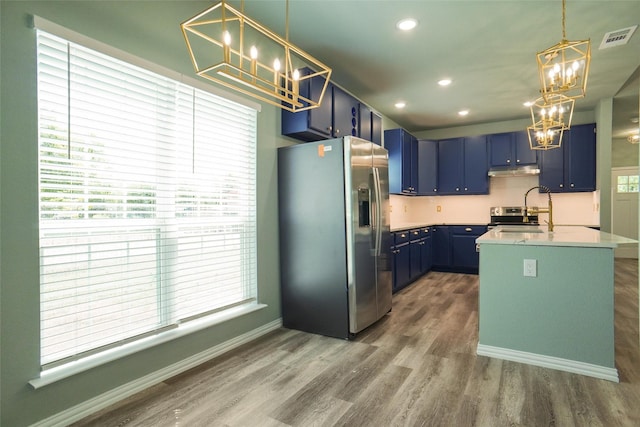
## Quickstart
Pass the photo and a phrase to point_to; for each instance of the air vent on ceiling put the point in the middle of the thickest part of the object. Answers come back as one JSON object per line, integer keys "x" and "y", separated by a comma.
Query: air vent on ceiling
{"x": 617, "y": 38}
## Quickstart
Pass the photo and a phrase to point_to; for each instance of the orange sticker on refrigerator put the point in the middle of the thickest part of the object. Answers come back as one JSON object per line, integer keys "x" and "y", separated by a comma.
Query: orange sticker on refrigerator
{"x": 321, "y": 150}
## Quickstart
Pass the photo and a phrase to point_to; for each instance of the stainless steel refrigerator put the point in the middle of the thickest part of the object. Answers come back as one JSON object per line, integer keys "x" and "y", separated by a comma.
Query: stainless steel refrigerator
{"x": 334, "y": 236}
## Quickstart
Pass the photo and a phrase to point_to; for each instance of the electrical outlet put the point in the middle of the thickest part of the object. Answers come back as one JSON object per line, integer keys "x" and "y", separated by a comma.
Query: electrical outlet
{"x": 530, "y": 268}
{"x": 438, "y": 208}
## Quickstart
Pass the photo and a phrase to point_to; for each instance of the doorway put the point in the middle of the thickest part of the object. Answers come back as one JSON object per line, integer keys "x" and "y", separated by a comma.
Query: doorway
{"x": 624, "y": 208}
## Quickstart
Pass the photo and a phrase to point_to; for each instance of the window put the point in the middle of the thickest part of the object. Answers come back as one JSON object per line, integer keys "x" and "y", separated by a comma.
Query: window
{"x": 628, "y": 184}
{"x": 147, "y": 202}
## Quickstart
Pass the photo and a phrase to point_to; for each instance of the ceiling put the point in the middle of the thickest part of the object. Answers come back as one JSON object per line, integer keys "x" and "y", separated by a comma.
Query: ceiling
{"x": 486, "y": 47}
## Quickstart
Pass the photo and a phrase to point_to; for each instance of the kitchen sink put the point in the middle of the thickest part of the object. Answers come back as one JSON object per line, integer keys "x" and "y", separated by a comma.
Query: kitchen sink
{"x": 520, "y": 229}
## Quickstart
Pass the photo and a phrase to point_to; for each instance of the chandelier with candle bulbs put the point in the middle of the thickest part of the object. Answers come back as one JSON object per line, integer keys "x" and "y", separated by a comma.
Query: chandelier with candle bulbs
{"x": 563, "y": 70}
{"x": 229, "y": 48}
{"x": 550, "y": 118}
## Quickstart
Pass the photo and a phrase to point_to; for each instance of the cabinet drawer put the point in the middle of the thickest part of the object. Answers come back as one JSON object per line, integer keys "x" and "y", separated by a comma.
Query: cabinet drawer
{"x": 415, "y": 234}
{"x": 468, "y": 229}
{"x": 401, "y": 237}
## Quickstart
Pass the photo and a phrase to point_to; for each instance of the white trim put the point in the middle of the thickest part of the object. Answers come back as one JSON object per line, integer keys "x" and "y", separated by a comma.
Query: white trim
{"x": 573, "y": 366}
{"x": 72, "y": 36}
{"x": 67, "y": 370}
{"x": 97, "y": 403}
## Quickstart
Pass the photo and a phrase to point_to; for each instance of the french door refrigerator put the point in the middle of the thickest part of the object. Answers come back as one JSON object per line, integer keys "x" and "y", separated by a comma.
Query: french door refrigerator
{"x": 335, "y": 264}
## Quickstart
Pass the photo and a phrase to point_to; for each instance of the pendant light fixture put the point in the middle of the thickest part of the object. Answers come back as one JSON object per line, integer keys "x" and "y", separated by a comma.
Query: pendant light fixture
{"x": 564, "y": 67}
{"x": 229, "y": 48}
{"x": 550, "y": 119}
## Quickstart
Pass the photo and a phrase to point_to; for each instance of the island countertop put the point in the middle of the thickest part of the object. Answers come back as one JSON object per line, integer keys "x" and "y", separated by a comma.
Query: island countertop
{"x": 576, "y": 236}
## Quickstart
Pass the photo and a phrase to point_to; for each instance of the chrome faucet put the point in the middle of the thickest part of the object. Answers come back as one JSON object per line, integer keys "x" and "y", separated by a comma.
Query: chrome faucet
{"x": 535, "y": 211}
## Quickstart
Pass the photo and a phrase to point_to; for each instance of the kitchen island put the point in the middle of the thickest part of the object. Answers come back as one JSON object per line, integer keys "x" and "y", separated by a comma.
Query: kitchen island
{"x": 547, "y": 298}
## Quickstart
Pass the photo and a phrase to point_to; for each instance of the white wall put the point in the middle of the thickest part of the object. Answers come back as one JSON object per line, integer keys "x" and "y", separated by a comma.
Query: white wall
{"x": 568, "y": 208}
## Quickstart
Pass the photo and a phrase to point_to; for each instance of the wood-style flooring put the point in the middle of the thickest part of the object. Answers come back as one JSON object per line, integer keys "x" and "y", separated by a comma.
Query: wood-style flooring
{"x": 416, "y": 367}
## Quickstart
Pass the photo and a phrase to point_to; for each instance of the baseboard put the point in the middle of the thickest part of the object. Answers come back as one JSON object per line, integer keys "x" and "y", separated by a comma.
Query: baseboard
{"x": 573, "y": 366}
{"x": 91, "y": 406}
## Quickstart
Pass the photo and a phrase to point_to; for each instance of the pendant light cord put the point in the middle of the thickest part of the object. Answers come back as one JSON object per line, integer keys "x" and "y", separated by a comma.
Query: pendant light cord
{"x": 564, "y": 35}
{"x": 286, "y": 22}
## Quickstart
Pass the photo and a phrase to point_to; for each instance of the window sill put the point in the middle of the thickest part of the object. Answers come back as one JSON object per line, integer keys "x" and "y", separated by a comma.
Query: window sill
{"x": 53, "y": 375}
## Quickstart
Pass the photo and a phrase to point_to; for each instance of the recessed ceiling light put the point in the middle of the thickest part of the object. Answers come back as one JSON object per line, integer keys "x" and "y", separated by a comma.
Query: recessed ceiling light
{"x": 406, "y": 24}
{"x": 444, "y": 82}
{"x": 463, "y": 112}
{"x": 528, "y": 104}
{"x": 400, "y": 104}
{"x": 634, "y": 119}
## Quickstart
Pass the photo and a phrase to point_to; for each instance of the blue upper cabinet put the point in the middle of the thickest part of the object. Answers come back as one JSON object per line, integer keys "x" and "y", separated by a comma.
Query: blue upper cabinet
{"x": 314, "y": 124}
{"x": 345, "y": 114}
{"x": 523, "y": 153}
{"x": 510, "y": 149}
{"x": 364, "y": 122}
{"x": 427, "y": 168}
{"x": 463, "y": 166}
{"x": 476, "y": 178}
{"x": 403, "y": 161}
{"x": 376, "y": 128}
{"x": 450, "y": 164}
{"x": 339, "y": 114}
{"x": 572, "y": 167}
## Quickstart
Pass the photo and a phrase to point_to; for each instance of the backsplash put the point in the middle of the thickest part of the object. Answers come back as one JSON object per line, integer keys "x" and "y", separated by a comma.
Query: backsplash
{"x": 568, "y": 208}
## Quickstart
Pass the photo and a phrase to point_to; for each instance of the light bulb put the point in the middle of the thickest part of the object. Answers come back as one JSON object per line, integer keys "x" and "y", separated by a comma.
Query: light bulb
{"x": 296, "y": 75}
{"x": 543, "y": 112}
{"x": 276, "y": 65}
{"x": 253, "y": 52}
{"x": 226, "y": 37}
{"x": 575, "y": 65}
{"x": 556, "y": 67}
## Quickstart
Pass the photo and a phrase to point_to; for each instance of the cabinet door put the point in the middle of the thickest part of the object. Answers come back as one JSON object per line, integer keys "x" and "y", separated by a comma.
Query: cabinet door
{"x": 463, "y": 247}
{"x": 523, "y": 153}
{"x": 345, "y": 112}
{"x": 376, "y": 128}
{"x": 450, "y": 161}
{"x": 441, "y": 247}
{"x": 476, "y": 168}
{"x": 401, "y": 267}
{"x": 426, "y": 254}
{"x": 416, "y": 258}
{"x": 580, "y": 162}
{"x": 410, "y": 163}
{"x": 427, "y": 168}
{"x": 552, "y": 169}
{"x": 500, "y": 147}
{"x": 364, "y": 122}
{"x": 320, "y": 118}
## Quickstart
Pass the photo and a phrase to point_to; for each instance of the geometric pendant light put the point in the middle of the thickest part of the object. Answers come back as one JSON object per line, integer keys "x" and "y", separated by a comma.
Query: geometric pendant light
{"x": 229, "y": 48}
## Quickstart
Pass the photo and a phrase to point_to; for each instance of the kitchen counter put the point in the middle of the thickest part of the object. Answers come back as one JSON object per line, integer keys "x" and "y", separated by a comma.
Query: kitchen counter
{"x": 411, "y": 226}
{"x": 576, "y": 236}
{"x": 547, "y": 299}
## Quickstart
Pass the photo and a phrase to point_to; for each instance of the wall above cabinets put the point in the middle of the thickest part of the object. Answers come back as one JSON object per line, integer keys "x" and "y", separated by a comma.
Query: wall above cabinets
{"x": 340, "y": 114}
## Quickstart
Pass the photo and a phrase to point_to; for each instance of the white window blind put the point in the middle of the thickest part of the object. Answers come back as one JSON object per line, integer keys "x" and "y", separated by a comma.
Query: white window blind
{"x": 147, "y": 199}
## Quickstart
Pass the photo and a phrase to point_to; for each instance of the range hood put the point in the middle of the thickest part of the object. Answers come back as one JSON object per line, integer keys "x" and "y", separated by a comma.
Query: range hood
{"x": 506, "y": 171}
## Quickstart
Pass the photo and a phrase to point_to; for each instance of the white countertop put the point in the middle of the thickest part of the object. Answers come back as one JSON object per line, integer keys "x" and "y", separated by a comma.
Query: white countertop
{"x": 561, "y": 236}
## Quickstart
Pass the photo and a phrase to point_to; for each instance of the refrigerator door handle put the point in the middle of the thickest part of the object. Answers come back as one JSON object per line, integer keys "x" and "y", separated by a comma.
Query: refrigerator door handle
{"x": 378, "y": 213}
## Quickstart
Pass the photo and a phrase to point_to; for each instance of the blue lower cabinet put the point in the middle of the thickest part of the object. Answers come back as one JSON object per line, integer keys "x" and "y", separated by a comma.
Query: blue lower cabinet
{"x": 441, "y": 247}
{"x": 464, "y": 256}
{"x": 415, "y": 247}
{"x": 401, "y": 266}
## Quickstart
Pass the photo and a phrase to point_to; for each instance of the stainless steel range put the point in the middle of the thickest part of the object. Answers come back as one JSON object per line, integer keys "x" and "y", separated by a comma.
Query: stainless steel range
{"x": 512, "y": 215}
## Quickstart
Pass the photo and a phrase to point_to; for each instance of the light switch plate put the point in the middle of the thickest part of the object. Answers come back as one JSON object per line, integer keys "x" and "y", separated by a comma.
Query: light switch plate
{"x": 530, "y": 268}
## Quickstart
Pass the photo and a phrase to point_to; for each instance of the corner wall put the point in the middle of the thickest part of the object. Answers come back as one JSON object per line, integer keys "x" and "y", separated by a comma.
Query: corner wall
{"x": 150, "y": 30}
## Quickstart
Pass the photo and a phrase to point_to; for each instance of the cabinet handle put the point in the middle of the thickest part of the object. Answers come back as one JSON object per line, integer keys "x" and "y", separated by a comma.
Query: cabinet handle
{"x": 561, "y": 185}
{"x": 517, "y": 160}
{"x": 435, "y": 190}
{"x": 508, "y": 160}
{"x": 457, "y": 189}
{"x": 468, "y": 229}
{"x": 466, "y": 189}
{"x": 572, "y": 185}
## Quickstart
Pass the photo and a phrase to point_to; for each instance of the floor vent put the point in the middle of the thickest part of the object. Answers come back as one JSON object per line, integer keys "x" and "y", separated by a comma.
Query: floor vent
{"x": 617, "y": 38}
